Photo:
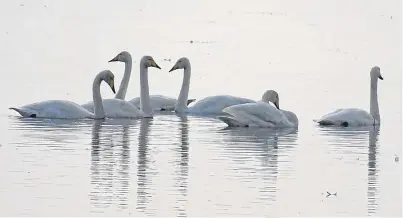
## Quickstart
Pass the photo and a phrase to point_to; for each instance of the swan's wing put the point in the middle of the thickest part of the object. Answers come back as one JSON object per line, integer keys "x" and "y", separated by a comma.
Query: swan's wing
{"x": 117, "y": 108}
{"x": 259, "y": 114}
{"x": 347, "y": 117}
{"x": 89, "y": 106}
{"x": 157, "y": 102}
{"x": 292, "y": 117}
{"x": 54, "y": 109}
{"x": 231, "y": 121}
{"x": 215, "y": 104}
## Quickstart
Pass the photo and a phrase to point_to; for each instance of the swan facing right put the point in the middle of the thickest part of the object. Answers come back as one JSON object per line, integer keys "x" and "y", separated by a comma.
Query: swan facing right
{"x": 354, "y": 116}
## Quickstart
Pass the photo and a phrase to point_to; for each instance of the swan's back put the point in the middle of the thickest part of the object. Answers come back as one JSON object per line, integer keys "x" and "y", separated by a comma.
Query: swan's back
{"x": 259, "y": 114}
{"x": 55, "y": 109}
{"x": 216, "y": 104}
{"x": 347, "y": 117}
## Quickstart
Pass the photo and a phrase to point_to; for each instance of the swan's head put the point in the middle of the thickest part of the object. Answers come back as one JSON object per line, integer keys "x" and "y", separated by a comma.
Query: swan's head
{"x": 182, "y": 63}
{"x": 148, "y": 61}
{"x": 271, "y": 96}
{"x": 109, "y": 78}
{"x": 376, "y": 73}
{"x": 123, "y": 56}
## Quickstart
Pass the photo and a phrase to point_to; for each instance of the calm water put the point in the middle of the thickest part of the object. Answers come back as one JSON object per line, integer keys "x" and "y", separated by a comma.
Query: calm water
{"x": 315, "y": 54}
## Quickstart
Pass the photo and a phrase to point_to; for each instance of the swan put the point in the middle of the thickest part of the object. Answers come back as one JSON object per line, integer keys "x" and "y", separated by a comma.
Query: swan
{"x": 67, "y": 109}
{"x": 260, "y": 114}
{"x": 125, "y": 57}
{"x": 114, "y": 105}
{"x": 354, "y": 116}
{"x": 208, "y": 105}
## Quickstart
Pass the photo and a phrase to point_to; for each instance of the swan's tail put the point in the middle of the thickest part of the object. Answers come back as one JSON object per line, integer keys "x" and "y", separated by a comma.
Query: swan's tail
{"x": 191, "y": 100}
{"x": 230, "y": 121}
{"x": 23, "y": 113}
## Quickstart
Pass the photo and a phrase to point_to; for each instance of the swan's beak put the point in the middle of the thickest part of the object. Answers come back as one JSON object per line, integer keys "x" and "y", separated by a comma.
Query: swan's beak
{"x": 114, "y": 59}
{"x": 154, "y": 64}
{"x": 112, "y": 85}
{"x": 173, "y": 68}
{"x": 380, "y": 77}
{"x": 277, "y": 105}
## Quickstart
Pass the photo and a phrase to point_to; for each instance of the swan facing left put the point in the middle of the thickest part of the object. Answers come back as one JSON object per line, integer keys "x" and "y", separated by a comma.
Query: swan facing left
{"x": 69, "y": 110}
{"x": 260, "y": 114}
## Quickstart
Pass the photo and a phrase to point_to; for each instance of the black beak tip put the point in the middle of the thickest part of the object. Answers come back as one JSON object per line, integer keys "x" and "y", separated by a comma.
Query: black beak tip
{"x": 113, "y": 90}
{"x": 158, "y": 67}
{"x": 114, "y": 59}
{"x": 380, "y": 77}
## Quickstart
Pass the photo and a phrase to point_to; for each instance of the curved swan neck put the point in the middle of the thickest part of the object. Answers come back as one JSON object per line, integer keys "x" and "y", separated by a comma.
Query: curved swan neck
{"x": 181, "y": 104}
{"x": 145, "y": 105}
{"x": 374, "y": 108}
{"x": 96, "y": 97}
{"x": 121, "y": 94}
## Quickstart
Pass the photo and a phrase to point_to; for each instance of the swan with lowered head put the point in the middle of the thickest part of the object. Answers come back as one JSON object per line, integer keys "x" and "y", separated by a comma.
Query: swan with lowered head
{"x": 260, "y": 114}
{"x": 208, "y": 105}
{"x": 114, "y": 106}
{"x": 354, "y": 116}
{"x": 69, "y": 110}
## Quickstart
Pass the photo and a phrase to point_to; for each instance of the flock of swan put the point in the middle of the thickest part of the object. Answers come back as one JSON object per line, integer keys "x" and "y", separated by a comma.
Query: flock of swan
{"x": 232, "y": 110}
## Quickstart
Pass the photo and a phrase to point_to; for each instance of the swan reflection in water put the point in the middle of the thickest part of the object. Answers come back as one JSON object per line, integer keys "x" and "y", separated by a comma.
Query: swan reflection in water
{"x": 268, "y": 146}
{"x": 348, "y": 141}
{"x": 182, "y": 170}
{"x": 145, "y": 171}
{"x": 110, "y": 164}
{"x": 48, "y": 132}
{"x": 143, "y": 182}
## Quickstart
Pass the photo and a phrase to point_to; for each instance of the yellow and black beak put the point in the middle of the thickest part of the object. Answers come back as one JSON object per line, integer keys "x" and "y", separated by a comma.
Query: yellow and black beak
{"x": 154, "y": 64}
{"x": 114, "y": 59}
{"x": 173, "y": 68}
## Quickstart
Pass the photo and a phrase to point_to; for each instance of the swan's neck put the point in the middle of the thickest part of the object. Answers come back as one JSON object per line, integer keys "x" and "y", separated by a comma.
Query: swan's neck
{"x": 145, "y": 105}
{"x": 96, "y": 97}
{"x": 181, "y": 104}
{"x": 121, "y": 94}
{"x": 374, "y": 108}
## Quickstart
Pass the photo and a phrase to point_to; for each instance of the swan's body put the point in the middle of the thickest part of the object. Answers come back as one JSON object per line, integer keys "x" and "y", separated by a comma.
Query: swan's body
{"x": 354, "y": 116}
{"x": 54, "y": 109}
{"x": 120, "y": 108}
{"x": 214, "y": 104}
{"x": 159, "y": 102}
{"x": 347, "y": 117}
{"x": 67, "y": 109}
{"x": 116, "y": 108}
{"x": 208, "y": 105}
{"x": 259, "y": 114}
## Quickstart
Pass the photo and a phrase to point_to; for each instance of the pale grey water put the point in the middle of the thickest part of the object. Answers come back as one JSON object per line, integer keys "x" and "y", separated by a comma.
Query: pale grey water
{"x": 316, "y": 54}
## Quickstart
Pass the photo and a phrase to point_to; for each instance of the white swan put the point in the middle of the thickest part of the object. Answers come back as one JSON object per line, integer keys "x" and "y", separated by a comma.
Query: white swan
{"x": 114, "y": 106}
{"x": 208, "y": 105}
{"x": 67, "y": 109}
{"x": 354, "y": 116}
{"x": 260, "y": 114}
